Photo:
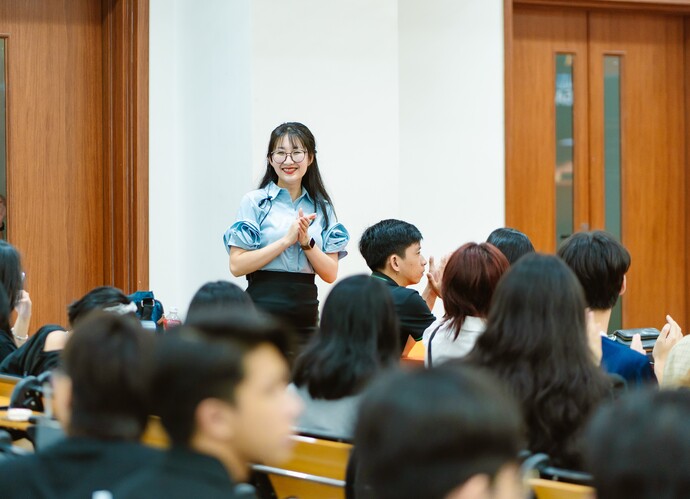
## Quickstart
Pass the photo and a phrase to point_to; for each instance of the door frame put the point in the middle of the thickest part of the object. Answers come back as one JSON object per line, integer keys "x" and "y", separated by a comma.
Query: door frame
{"x": 676, "y": 7}
{"x": 126, "y": 143}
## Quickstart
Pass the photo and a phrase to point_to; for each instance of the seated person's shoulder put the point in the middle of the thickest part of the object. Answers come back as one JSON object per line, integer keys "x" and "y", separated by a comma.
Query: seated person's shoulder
{"x": 611, "y": 349}
{"x": 620, "y": 359}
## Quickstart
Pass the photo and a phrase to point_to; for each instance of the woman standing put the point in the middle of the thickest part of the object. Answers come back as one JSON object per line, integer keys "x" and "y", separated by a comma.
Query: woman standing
{"x": 286, "y": 231}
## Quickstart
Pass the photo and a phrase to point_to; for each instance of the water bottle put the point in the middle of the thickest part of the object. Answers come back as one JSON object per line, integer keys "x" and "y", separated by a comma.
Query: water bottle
{"x": 172, "y": 319}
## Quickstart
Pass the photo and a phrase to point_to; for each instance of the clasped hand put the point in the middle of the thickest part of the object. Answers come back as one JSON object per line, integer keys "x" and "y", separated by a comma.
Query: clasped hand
{"x": 299, "y": 230}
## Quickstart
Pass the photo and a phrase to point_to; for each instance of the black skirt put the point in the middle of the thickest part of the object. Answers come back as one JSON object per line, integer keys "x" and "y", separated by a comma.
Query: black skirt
{"x": 291, "y": 297}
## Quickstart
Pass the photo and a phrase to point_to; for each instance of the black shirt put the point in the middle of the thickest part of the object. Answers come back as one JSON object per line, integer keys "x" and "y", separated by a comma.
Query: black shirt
{"x": 30, "y": 359}
{"x": 7, "y": 345}
{"x": 73, "y": 468}
{"x": 413, "y": 313}
{"x": 182, "y": 474}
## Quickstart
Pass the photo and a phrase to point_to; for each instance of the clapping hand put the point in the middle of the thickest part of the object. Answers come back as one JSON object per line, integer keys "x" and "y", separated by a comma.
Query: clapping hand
{"x": 435, "y": 274}
{"x": 303, "y": 227}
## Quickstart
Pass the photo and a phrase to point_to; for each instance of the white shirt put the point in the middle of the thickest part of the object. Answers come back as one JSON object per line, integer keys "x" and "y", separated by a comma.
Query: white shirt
{"x": 444, "y": 347}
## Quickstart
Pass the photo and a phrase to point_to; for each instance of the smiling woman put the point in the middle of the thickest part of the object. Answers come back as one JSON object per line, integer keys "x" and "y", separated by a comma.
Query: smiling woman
{"x": 286, "y": 231}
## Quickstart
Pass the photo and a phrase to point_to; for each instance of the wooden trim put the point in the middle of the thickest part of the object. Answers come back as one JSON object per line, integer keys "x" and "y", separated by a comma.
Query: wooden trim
{"x": 508, "y": 91}
{"x": 8, "y": 132}
{"x": 125, "y": 129}
{"x": 687, "y": 158}
{"x": 672, "y": 6}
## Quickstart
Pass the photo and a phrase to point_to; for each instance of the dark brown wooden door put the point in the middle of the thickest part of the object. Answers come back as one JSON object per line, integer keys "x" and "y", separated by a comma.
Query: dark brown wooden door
{"x": 77, "y": 146}
{"x": 636, "y": 59}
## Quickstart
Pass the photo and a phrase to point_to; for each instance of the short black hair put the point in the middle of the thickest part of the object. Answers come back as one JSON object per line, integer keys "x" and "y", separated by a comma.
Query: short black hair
{"x": 425, "y": 432}
{"x": 107, "y": 358}
{"x": 600, "y": 263}
{"x": 206, "y": 361}
{"x": 217, "y": 296}
{"x": 639, "y": 446}
{"x": 386, "y": 238}
{"x": 511, "y": 242}
{"x": 96, "y": 299}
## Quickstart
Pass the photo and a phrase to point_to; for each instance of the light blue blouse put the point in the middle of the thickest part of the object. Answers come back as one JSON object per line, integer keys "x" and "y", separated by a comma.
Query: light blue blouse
{"x": 265, "y": 216}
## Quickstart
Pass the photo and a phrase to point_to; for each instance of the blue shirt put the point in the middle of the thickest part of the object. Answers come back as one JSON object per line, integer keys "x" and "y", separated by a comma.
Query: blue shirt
{"x": 629, "y": 364}
{"x": 265, "y": 215}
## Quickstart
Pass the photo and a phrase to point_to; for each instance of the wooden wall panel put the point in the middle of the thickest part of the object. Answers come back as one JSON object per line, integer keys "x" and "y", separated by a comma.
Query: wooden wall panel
{"x": 55, "y": 151}
{"x": 77, "y": 146}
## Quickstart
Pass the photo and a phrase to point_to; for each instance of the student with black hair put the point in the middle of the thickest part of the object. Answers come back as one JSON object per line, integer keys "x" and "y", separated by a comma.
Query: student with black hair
{"x": 286, "y": 232}
{"x": 538, "y": 342}
{"x": 639, "y": 446}
{"x": 8, "y": 344}
{"x": 217, "y": 296}
{"x": 100, "y": 396}
{"x": 221, "y": 392}
{"x": 12, "y": 281}
{"x": 41, "y": 352}
{"x": 512, "y": 243}
{"x": 600, "y": 263}
{"x": 357, "y": 339}
{"x": 445, "y": 433}
{"x": 393, "y": 252}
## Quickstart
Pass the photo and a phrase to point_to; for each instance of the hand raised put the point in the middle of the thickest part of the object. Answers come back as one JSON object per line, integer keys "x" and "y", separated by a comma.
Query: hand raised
{"x": 669, "y": 336}
{"x": 23, "y": 306}
{"x": 435, "y": 274}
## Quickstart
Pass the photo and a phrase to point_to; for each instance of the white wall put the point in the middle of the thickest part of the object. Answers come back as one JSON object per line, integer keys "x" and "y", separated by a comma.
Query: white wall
{"x": 451, "y": 119}
{"x": 200, "y": 139}
{"x": 333, "y": 66}
{"x": 391, "y": 89}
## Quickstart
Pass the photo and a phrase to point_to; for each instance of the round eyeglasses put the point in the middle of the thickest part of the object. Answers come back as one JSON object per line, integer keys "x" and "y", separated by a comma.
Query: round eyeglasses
{"x": 281, "y": 156}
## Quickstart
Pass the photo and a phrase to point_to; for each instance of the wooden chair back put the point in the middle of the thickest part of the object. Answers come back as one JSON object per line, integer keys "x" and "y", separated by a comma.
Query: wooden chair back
{"x": 551, "y": 489}
{"x": 315, "y": 471}
{"x": 155, "y": 435}
{"x": 7, "y": 384}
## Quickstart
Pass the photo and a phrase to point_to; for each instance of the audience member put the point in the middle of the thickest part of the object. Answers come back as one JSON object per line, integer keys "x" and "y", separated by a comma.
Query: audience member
{"x": 220, "y": 391}
{"x": 12, "y": 280}
{"x": 217, "y": 296}
{"x": 41, "y": 353}
{"x": 639, "y": 447}
{"x": 100, "y": 392}
{"x": 358, "y": 338}
{"x": 600, "y": 264}
{"x": 392, "y": 250}
{"x": 511, "y": 242}
{"x": 7, "y": 342}
{"x": 677, "y": 368}
{"x": 445, "y": 433}
{"x": 469, "y": 279}
{"x": 538, "y": 343}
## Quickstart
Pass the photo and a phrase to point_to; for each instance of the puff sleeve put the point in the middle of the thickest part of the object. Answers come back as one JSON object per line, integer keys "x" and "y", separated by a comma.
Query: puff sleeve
{"x": 245, "y": 233}
{"x": 335, "y": 237}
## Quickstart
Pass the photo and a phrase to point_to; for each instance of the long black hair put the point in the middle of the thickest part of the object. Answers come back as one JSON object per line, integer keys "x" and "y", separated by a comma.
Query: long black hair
{"x": 358, "y": 337}
{"x": 11, "y": 272}
{"x": 300, "y": 136}
{"x": 536, "y": 342}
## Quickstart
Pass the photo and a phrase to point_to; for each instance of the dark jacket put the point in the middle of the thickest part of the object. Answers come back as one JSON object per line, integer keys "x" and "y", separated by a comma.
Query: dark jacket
{"x": 182, "y": 474}
{"x": 73, "y": 468}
